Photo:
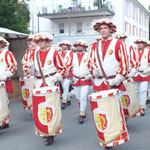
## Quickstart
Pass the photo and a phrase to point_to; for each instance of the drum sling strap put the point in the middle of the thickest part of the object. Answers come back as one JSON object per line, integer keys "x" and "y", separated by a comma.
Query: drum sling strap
{"x": 38, "y": 62}
{"x": 100, "y": 64}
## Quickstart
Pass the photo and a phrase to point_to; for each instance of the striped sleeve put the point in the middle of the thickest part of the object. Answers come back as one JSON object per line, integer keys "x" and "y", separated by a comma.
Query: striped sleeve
{"x": 133, "y": 58}
{"x": 91, "y": 58}
{"x": 59, "y": 63}
{"x": 69, "y": 63}
{"x": 11, "y": 62}
{"x": 121, "y": 56}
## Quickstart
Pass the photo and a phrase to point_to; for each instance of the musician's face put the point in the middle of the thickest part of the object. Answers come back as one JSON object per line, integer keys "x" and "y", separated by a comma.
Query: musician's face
{"x": 105, "y": 31}
{"x": 80, "y": 48}
{"x": 64, "y": 47}
{"x": 42, "y": 43}
{"x": 140, "y": 46}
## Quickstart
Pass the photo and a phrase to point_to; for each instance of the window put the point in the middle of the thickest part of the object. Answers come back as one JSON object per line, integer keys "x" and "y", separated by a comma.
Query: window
{"x": 140, "y": 32}
{"x": 79, "y": 27}
{"x": 61, "y": 28}
{"x": 128, "y": 8}
{"x": 127, "y": 27}
{"x": 134, "y": 30}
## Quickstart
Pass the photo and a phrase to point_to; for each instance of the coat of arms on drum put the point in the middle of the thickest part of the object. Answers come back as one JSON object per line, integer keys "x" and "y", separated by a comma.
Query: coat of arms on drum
{"x": 26, "y": 92}
{"x": 46, "y": 113}
{"x": 126, "y": 100}
{"x": 101, "y": 120}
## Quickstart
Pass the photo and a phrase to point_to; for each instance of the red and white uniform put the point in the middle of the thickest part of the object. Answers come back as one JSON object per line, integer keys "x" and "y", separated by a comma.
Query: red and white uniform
{"x": 78, "y": 64}
{"x": 114, "y": 61}
{"x": 26, "y": 58}
{"x": 66, "y": 82}
{"x": 141, "y": 80}
{"x": 132, "y": 57}
{"x": 7, "y": 63}
{"x": 51, "y": 63}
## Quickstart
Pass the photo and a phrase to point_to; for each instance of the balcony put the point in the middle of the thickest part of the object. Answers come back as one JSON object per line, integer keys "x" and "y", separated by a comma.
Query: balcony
{"x": 81, "y": 10}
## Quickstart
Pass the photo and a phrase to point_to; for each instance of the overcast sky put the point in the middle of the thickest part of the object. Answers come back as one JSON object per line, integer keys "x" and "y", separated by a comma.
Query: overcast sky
{"x": 146, "y": 3}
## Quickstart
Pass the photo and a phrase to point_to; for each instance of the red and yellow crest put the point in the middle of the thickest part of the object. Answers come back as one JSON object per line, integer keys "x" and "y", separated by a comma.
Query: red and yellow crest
{"x": 101, "y": 121}
{"x": 49, "y": 62}
{"x": 110, "y": 52}
{"x": 26, "y": 93}
{"x": 1, "y": 60}
{"x": 125, "y": 100}
{"x": 46, "y": 114}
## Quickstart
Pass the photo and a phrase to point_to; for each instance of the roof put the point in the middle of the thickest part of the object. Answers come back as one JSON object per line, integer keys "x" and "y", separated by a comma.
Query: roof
{"x": 7, "y": 33}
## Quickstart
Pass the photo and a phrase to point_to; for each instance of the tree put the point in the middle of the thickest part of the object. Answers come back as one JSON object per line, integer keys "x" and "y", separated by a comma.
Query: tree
{"x": 14, "y": 16}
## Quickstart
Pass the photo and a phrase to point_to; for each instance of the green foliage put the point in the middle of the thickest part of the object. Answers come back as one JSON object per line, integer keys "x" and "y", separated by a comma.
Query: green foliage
{"x": 14, "y": 16}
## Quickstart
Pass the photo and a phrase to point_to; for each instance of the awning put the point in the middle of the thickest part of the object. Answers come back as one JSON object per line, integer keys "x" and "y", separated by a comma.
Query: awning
{"x": 7, "y": 33}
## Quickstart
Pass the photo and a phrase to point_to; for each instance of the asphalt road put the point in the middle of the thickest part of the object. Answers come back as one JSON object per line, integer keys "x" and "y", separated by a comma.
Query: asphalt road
{"x": 75, "y": 136}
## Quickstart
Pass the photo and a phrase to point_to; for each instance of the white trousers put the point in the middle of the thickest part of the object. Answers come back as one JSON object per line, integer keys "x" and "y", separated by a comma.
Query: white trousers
{"x": 141, "y": 89}
{"x": 81, "y": 93}
{"x": 65, "y": 85}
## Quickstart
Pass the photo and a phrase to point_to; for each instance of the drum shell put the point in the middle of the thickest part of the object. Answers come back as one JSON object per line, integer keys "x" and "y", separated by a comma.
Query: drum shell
{"x": 27, "y": 84}
{"x": 129, "y": 100}
{"x": 110, "y": 107}
{"x": 47, "y": 101}
{"x": 4, "y": 111}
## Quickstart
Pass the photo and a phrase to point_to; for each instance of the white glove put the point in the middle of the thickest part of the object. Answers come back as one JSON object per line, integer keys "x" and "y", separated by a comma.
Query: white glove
{"x": 118, "y": 79}
{"x": 56, "y": 77}
{"x": 111, "y": 82}
{"x": 30, "y": 64}
{"x": 132, "y": 73}
{"x": 5, "y": 75}
{"x": 146, "y": 71}
{"x": 96, "y": 72}
{"x": 88, "y": 77}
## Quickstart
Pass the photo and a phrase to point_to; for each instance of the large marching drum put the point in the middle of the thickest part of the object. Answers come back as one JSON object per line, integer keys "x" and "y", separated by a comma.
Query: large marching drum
{"x": 4, "y": 112}
{"x": 27, "y": 84}
{"x": 108, "y": 117}
{"x": 46, "y": 111}
{"x": 129, "y": 99}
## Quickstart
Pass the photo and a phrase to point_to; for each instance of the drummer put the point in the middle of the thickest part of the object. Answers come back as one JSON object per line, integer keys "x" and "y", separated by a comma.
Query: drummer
{"x": 81, "y": 76}
{"x": 142, "y": 77}
{"x": 32, "y": 46}
{"x": 132, "y": 55}
{"x": 113, "y": 57}
{"x": 8, "y": 67}
{"x": 52, "y": 66}
{"x": 66, "y": 53}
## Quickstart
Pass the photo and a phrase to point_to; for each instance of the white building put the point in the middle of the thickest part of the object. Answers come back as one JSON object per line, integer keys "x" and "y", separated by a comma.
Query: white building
{"x": 71, "y": 19}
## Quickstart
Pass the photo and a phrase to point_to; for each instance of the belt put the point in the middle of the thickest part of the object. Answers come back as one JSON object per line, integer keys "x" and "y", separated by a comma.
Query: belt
{"x": 109, "y": 77}
{"x": 79, "y": 77}
{"x": 46, "y": 76}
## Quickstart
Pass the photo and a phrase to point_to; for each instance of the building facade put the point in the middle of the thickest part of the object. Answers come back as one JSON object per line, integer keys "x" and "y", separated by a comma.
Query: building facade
{"x": 71, "y": 19}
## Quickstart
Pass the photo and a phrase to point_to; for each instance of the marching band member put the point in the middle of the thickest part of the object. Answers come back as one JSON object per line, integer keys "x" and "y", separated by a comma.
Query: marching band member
{"x": 142, "y": 77}
{"x": 81, "y": 76}
{"x": 8, "y": 67}
{"x": 66, "y": 54}
{"x": 113, "y": 65}
{"x": 52, "y": 66}
{"x": 132, "y": 55}
{"x": 32, "y": 46}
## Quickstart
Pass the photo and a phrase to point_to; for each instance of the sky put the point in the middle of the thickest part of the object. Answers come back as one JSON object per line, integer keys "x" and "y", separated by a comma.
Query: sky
{"x": 146, "y": 3}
